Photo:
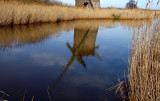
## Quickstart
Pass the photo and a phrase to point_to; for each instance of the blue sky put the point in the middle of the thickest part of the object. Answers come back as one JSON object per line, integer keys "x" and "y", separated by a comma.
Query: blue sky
{"x": 116, "y": 3}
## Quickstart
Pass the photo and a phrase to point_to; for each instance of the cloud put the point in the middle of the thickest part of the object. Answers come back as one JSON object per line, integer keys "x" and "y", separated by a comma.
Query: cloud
{"x": 91, "y": 79}
{"x": 17, "y": 50}
{"x": 48, "y": 59}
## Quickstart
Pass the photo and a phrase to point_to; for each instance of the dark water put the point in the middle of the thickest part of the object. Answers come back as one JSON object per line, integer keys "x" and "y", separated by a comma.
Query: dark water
{"x": 66, "y": 61}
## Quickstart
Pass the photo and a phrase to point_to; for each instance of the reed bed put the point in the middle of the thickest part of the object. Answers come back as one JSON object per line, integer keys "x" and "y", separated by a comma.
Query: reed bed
{"x": 17, "y": 12}
{"x": 144, "y": 70}
{"x": 143, "y": 82}
{"x": 144, "y": 66}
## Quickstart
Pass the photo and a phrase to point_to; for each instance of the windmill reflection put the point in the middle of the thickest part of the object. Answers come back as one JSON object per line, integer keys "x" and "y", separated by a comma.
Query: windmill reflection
{"x": 84, "y": 45}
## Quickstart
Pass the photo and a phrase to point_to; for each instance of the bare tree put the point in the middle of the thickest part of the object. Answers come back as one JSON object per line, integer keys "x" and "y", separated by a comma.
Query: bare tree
{"x": 131, "y": 4}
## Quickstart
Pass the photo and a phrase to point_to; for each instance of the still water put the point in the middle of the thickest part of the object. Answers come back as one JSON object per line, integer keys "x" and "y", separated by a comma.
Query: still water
{"x": 65, "y": 61}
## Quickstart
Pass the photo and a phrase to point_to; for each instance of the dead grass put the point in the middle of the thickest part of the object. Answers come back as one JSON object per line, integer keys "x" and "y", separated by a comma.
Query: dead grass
{"x": 16, "y": 12}
{"x": 144, "y": 70}
{"x": 144, "y": 66}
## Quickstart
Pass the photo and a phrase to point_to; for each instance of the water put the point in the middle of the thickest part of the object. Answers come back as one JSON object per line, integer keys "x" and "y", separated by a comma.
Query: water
{"x": 68, "y": 61}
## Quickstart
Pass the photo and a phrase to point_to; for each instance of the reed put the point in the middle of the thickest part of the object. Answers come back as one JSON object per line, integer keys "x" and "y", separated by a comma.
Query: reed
{"x": 143, "y": 82}
{"x": 144, "y": 70}
{"x": 17, "y": 12}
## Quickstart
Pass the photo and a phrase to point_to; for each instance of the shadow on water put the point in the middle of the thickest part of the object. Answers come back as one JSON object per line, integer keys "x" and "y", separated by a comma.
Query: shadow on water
{"x": 84, "y": 43}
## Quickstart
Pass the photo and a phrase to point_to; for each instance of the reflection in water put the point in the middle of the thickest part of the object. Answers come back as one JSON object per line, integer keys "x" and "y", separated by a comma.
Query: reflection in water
{"x": 88, "y": 47}
{"x": 20, "y": 35}
{"x": 77, "y": 48}
{"x": 84, "y": 44}
{"x": 30, "y": 34}
{"x": 35, "y": 33}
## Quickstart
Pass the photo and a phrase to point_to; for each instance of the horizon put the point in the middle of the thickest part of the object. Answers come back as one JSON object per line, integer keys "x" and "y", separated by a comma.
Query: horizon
{"x": 117, "y": 4}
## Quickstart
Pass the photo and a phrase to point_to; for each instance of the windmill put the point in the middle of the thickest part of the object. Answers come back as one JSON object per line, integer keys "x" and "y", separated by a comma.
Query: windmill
{"x": 87, "y": 3}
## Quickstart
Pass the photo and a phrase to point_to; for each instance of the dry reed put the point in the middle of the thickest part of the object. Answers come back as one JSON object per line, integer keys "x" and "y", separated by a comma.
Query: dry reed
{"x": 16, "y": 12}
{"x": 144, "y": 70}
{"x": 143, "y": 82}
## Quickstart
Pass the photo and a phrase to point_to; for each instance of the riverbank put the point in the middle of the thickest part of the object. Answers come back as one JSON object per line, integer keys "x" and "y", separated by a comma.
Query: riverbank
{"x": 14, "y": 13}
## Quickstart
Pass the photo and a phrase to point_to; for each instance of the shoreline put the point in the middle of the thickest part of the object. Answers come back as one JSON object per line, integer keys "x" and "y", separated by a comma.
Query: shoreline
{"x": 27, "y": 13}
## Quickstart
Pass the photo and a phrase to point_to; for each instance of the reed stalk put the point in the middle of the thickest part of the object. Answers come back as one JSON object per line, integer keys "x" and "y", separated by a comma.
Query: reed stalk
{"x": 144, "y": 69}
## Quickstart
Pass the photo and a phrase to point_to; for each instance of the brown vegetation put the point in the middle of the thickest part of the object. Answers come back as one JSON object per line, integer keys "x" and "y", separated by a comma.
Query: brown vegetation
{"x": 143, "y": 82}
{"x": 14, "y": 12}
{"x": 144, "y": 70}
{"x": 144, "y": 66}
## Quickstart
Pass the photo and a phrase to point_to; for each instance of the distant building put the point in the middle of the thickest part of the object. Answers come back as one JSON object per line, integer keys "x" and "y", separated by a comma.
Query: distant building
{"x": 87, "y": 3}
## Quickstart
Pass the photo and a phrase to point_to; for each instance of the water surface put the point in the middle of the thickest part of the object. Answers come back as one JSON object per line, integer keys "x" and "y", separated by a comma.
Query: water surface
{"x": 66, "y": 61}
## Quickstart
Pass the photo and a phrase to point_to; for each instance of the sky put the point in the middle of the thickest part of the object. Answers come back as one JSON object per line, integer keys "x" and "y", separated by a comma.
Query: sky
{"x": 117, "y": 3}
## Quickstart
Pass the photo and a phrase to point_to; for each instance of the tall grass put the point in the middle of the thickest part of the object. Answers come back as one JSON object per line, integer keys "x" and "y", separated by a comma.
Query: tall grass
{"x": 143, "y": 82}
{"x": 144, "y": 70}
{"x": 16, "y": 12}
{"x": 144, "y": 66}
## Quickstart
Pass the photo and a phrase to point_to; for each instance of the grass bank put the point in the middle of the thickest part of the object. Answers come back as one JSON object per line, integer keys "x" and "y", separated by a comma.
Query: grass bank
{"x": 16, "y": 12}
